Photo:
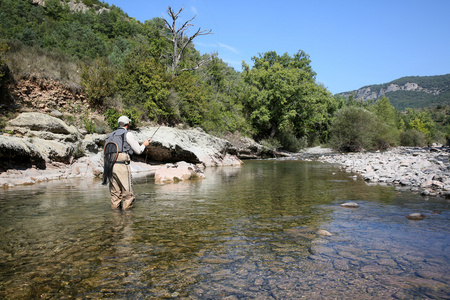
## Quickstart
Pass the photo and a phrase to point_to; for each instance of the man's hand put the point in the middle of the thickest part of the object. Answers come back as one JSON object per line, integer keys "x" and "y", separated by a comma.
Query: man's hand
{"x": 146, "y": 142}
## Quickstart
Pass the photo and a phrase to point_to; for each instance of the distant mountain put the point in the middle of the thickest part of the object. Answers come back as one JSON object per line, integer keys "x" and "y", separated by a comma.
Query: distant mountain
{"x": 411, "y": 91}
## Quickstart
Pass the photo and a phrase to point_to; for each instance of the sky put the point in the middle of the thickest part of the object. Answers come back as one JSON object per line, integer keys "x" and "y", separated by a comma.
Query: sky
{"x": 351, "y": 43}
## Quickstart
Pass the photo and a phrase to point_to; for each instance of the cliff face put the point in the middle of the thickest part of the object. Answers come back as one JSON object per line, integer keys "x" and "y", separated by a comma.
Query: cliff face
{"x": 371, "y": 93}
{"x": 73, "y": 5}
{"x": 414, "y": 91}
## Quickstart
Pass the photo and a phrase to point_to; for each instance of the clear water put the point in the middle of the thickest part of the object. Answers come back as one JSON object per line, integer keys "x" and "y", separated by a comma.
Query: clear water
{"x": 245, "y": 232}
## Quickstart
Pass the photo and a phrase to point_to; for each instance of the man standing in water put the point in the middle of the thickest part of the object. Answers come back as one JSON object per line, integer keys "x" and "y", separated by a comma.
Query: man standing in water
{"x": 122, "y": 195}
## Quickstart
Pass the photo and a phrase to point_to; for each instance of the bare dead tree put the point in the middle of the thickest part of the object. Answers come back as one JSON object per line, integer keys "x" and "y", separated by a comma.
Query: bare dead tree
{"x": 180, "y": 41}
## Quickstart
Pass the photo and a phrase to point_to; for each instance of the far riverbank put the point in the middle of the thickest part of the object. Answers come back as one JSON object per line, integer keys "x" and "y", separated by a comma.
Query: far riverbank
{"x": 425, "y": 170}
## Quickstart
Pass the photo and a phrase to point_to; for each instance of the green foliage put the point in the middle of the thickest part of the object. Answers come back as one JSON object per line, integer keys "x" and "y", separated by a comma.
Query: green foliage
{"x": 388, "y": 123}
{"x": 413, "y": 138}
{"x": 353, "y": 129}
{"x": 98, "y": 82}
{"x": 89, "y": 125}
{"x": 192, "y": 98}
{"x": 421, "y": 121}
{"x": 436, "y": 91}
{"x": 144, "y": 84}
{"x": 282, "y": 96}
{"x": 112, "y": 115}
{"x": 3, "y": 48}
{"x": 291, "y": 143}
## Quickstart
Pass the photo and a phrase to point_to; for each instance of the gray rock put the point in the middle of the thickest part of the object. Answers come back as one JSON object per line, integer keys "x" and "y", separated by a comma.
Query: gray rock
{"x": 350, "y": 205}
{"x": 416, "y": 217}
{"x": 57, "y": 114}
{"x": 54, "y": 151}
{"x": 18, "y": 152}
{"x": 193, "y": 146}
{"x": 323, "y": 232}
{"x": 41, "y": 122}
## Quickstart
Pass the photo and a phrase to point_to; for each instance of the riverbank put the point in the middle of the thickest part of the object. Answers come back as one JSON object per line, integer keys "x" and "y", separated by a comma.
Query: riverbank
{"x": 425, "y": 170}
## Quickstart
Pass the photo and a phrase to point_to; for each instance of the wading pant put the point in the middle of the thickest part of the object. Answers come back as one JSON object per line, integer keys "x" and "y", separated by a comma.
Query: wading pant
{"x": 120, "y": 185}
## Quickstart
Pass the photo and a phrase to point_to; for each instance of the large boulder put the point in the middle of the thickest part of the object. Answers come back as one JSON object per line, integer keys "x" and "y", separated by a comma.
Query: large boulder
{"x": 193, "y": 146}
{"x": 55, "y": 151}
{"x": 38, "y": 122}
{"x": 17, "y": 152}
{"x": 180, "y": 171}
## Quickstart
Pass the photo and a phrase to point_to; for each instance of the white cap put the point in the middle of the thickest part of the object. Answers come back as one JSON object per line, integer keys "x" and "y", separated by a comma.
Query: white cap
{"x": 124, "y": 120}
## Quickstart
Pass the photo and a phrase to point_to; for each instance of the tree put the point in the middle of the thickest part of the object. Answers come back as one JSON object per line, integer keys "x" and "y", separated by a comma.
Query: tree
{"x": 180, "y": 42}
{"x": 283, "y": 96}
{"x": 388, "y": 133}
{"x": 421, "y": 121}
{"x": 3, "y": 48}
{"x": 98, "y": 81}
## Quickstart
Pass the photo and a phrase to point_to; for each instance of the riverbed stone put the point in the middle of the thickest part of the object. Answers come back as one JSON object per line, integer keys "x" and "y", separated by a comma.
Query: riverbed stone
{"x": 323, "y": 232}
{"x": 180, "y": 171}
{"x": 350, "y": 205}
{"x": 407, "y": 166}
{"x": 416, "y": 216}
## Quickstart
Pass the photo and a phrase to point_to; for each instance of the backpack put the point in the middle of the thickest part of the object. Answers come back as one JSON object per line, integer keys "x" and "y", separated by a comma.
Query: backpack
{"x": 115, "y": 143}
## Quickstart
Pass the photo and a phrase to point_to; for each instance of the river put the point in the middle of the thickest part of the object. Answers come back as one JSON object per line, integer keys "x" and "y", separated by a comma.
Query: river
{"x": 245, "y": 232}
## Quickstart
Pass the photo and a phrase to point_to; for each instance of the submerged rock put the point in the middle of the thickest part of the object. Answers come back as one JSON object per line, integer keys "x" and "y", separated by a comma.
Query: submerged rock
{"x": 180, "y": 171}
{"x": 416, "y": 216}
{"x": 323, "y": 232}
{"x": 350, "y": 205}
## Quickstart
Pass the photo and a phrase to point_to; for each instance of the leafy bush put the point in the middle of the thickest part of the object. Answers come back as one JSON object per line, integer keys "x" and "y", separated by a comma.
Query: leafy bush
{"x": 271, "y": 143}
{"x": 112, "y": 115}
{"x": 353, "y": 129}
{"x": 413, "y": 138}
{"x": 291, "y": 143}
{"x": 98, "y": 82}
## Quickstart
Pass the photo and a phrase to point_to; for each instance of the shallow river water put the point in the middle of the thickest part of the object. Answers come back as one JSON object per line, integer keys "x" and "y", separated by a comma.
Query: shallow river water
{"x": 245, "y": 232}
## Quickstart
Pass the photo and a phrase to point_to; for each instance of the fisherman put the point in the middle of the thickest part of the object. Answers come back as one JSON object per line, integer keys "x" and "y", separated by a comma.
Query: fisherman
{"x": 117, "y": 166}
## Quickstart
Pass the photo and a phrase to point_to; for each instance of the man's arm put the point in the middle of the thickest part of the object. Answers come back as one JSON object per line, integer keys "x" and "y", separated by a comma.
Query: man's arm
{"x": 134, "y": 144}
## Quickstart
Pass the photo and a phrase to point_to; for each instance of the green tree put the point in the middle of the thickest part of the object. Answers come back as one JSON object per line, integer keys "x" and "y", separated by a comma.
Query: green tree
{"x": 284, "y": 97}
{"x": 225, "y": 110}
{"x": 3, "y": 48}
{"x": 353, "y": 129}
{"x": 421, "y": 121}
{"x": 388, "y": 133}
{"x": 98, "y": 81}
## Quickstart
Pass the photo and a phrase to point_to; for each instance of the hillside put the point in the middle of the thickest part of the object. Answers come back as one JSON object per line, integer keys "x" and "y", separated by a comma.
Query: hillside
{"x": 411, "y": 91}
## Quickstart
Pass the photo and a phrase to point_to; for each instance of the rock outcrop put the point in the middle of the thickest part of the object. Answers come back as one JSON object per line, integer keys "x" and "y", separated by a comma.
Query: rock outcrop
{"x": 42, "y": 147}
{"x": 193, "y": 146}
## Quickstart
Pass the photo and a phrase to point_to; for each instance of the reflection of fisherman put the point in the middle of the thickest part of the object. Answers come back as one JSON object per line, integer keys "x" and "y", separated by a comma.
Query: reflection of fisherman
{"x": 120, "y": 182}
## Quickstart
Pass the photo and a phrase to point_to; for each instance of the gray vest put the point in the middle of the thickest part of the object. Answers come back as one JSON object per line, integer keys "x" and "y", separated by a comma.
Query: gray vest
{"x": 119, "y": 137}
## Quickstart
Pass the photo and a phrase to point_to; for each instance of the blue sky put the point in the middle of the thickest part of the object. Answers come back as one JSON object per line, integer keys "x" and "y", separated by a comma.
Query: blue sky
{"x": 351, "y": 43}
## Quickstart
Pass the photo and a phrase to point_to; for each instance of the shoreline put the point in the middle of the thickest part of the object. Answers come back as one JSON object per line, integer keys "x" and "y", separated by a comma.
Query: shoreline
{"x": 424, "y": 170}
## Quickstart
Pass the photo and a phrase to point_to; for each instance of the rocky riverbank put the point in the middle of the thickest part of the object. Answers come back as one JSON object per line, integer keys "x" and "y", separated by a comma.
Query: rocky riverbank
{"x": 42, "y": 147}
{"x": 425, "y": 170}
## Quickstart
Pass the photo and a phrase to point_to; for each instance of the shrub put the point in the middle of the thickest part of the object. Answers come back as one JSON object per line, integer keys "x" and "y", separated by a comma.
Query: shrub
{"x": 353, "y": 129}
{"x": 112, "y": 115}
{"x": 291, "y": 143}
{"x": 98, "y": 82}
{"x": 413, "y": 138}
{"x": 271, "y": 143}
